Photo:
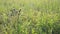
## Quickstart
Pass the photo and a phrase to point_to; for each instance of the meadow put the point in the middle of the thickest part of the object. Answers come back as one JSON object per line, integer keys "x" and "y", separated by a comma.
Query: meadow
{"x": 29, "y": 16}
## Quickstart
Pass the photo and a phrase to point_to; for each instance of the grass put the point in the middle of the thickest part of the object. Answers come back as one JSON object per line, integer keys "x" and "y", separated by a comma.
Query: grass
{"x": 35, "y": 17}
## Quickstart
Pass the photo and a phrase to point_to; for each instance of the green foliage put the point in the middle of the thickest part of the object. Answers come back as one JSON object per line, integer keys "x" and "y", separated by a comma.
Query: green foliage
{"x": 29, "y": 17}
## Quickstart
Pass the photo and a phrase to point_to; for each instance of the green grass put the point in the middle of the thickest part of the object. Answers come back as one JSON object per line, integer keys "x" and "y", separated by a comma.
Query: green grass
{"x": 36, "y": 17}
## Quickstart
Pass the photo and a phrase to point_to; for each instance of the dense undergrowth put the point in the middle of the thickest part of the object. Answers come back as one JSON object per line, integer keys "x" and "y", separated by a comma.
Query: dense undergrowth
{"x": 29, "y": 17}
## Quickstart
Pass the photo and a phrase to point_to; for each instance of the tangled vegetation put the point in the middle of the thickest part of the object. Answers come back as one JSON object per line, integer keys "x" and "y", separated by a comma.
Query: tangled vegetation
{"x": 29, "y": 17}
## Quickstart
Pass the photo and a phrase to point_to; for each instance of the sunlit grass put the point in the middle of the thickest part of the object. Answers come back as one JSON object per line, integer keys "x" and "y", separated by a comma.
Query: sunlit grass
{"x": 36, "y": 16}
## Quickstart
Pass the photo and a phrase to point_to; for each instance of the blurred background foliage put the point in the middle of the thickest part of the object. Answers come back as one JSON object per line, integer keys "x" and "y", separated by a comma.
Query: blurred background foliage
{"x": 29, "y": 16}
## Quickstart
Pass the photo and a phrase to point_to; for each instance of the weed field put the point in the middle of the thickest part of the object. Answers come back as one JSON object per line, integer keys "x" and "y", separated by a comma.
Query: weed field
{"x": 29, "y": 16}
